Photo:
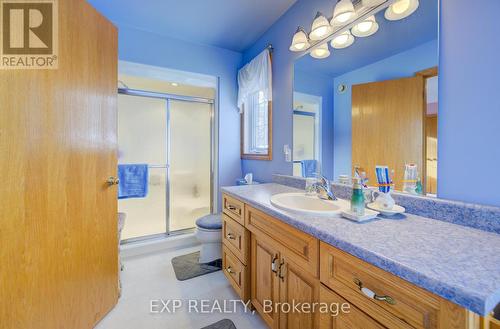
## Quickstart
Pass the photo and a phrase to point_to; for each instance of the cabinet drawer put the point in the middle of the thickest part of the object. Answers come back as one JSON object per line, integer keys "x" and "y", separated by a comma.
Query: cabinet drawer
{"x": 235, "y": 272}
{"x": 301, "y": 248}
{"x": 353, "y": 319}
{"x": 345, "y": 274}
{"x": 233, "y": 208}
{"x": 235, "y": 238}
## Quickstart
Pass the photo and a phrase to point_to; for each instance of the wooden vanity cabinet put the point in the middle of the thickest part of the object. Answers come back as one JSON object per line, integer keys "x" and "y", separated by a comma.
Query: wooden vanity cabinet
{"x": 265, "y": 283}
{"x": 284, "y": 265}
{"x": 355, "y": 319}
{"x": 284, "y": 270}
{"x": 397, "y": 303}
{"x": 235, "y": 245}
{"x": 297, "y": 286}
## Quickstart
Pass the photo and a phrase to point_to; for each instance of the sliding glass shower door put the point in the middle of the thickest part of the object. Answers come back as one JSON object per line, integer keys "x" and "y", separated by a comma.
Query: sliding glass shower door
{"x": 142, "y": 139}
{"x": 174, "y": 138}
{"x": 190, "y": 163}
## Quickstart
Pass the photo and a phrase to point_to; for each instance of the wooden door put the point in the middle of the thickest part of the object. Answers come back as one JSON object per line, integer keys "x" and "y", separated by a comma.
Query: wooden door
{"x": 297, "y": 287}
{"x": 388, "y": 126}
{"x": 58, "y": 218}
{"x": 264, "y": 278}
{"x": 336, "y": 319}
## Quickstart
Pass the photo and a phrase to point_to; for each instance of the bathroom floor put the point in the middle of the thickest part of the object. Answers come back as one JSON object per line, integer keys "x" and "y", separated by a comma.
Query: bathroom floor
{"x": 151, "y": 277}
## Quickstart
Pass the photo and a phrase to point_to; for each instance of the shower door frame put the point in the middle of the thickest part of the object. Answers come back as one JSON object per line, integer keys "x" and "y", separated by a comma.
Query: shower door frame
{"x": 168, "y": 98}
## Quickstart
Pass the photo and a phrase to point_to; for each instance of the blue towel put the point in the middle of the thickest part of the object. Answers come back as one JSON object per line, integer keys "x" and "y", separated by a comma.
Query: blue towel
{"x": 309, "y": 168}
{"x": 133, "y": 181}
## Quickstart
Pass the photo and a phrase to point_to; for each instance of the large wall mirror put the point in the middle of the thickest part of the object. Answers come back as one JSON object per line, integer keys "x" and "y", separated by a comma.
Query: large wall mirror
{"x": 373, "y": 103}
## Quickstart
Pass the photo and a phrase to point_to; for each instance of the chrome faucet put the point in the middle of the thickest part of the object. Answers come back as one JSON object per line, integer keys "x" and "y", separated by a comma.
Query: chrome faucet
{"x": 324, "y": 189}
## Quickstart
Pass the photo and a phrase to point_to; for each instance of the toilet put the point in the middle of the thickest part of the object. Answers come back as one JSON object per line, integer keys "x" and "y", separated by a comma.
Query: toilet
{"x": 208, "y": 233}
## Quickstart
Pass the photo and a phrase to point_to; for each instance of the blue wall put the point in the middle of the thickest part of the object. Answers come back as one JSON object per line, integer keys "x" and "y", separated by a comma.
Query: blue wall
{"x": 402, "y": 65}
{"x": 320, "y": 85}
{"x": 152, "y": 49}
{"x": 469, "y": 101}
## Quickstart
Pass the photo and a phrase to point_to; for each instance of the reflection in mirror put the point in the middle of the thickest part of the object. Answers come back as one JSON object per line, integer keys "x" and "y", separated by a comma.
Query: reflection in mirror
{"x": 306, "y": 157}
{"x": 378, "y": 105}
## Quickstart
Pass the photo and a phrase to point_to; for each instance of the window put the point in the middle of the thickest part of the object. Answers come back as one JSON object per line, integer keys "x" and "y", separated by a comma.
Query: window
{"x": 254, "y": 103}
{"x": 256, "y": 124}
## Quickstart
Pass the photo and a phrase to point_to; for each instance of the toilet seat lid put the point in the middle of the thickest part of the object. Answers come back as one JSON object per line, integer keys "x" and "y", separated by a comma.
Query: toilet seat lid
{"x": 210, "y": 222}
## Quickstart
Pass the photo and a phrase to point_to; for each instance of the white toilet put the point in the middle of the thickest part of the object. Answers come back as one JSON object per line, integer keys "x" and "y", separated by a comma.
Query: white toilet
{"x": 208, "y": 233}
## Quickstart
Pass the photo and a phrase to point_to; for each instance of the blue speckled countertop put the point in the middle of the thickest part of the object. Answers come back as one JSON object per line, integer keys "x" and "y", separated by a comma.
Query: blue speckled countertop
{"x": 459, "y": 263}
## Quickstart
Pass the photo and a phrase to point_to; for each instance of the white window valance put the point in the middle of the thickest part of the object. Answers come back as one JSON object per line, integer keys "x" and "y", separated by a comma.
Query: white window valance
{"x": 255, "y": 77}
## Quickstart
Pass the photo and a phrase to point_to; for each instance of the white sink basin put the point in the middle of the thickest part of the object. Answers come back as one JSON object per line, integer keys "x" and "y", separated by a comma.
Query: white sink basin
{"x": 301, "y": 203}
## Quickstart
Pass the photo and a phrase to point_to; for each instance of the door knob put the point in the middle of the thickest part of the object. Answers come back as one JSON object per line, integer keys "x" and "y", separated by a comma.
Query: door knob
{"x": 112, "y": 181}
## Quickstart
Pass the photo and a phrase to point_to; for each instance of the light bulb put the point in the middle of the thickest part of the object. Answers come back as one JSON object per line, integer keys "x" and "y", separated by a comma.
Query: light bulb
{"x": 321, "y": 51}
{"x": 343, "y": 12}
{"x": 299, "y": 40}
{"x": 300, "y": 45}
{"x": 401, "y": 6}
{"x": 343, "y": 40}
{"x": 365, "y": 26}
{"x": 320, "y": 27}
{"x": 320, "y": 32}
{"x": 342, "y": 18}
{"x": 401, "y": 9}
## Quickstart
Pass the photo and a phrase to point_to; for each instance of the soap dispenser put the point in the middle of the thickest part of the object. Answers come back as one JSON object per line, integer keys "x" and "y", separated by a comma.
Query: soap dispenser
{"x": 358, "y": 198}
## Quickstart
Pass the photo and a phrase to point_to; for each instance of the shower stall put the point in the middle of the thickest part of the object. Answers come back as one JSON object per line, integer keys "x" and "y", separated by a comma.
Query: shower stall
{"x": 174, "y": 136}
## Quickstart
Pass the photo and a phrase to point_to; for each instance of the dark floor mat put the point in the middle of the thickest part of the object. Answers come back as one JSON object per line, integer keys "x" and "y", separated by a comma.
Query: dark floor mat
{"x": 223, "y": 324}
{"x": 187, "y": 267}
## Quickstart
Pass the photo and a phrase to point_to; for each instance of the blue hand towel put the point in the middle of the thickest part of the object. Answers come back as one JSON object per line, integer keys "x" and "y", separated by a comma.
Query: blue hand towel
{"x": 309, "y": 168}
{"x": 133, "y": 181}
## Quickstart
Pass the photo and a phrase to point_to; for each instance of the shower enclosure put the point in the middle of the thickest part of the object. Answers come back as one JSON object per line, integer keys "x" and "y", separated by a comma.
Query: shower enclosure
{"x": 173, "y": 135}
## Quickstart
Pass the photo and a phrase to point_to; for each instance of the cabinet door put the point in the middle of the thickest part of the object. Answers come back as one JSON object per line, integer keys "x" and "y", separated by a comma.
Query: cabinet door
{"x": 354, "y": 319}
{"x": 297, "y": 287}
{"x": 264, "y": 278}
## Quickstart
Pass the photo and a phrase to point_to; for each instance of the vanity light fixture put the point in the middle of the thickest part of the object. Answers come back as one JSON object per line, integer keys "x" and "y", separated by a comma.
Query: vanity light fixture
{"x": 401, "y": 9}
{"x": 320, "y": 27}
{"x": 300, "y": 41}
{"x": 343, "y": 40}
{"x": 321, "y": 51}
{"x": 343, "y": 12}
{"x": 366, "y": 28}
{"x": 347, "y": 23}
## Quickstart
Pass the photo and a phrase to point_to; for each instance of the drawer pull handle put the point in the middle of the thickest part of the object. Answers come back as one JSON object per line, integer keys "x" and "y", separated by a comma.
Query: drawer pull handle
{"x": 273, "y": 265}
{"x": 229, "y": 270}
{"x": 232, "y": 208}
{"x": 371, "y": 294}
{"x": 230, "y": 236}
{"x": 281, "y": 275}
